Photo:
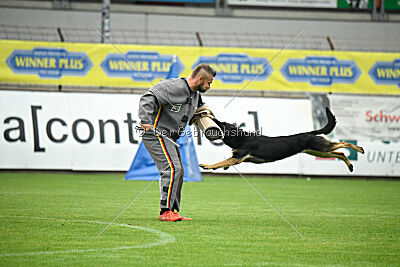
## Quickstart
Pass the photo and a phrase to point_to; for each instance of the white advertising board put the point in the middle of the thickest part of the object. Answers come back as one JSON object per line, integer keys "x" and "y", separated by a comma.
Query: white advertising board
{"x": 65, "y": 130}
{"x": 286, "y": 3}
{"x": 86, "y": 131}
{"x": 367, "y": 118}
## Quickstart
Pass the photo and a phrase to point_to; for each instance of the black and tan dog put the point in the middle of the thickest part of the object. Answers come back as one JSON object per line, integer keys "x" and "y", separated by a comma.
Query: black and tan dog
{"x": 251, "y": 147}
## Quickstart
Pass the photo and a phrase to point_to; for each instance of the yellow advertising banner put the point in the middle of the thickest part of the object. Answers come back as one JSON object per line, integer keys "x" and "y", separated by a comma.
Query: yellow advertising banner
{"x": 79, "y": 64}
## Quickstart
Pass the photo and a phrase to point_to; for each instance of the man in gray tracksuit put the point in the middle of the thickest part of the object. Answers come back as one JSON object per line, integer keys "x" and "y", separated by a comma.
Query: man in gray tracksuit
{"x": 167, "y": 107}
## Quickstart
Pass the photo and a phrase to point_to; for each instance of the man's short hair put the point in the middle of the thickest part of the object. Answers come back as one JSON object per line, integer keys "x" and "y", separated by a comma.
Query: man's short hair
{"x": 204, "y": 67}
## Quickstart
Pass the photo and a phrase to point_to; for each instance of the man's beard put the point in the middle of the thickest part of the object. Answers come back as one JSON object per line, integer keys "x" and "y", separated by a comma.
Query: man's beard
{"x": 200, "y": 89}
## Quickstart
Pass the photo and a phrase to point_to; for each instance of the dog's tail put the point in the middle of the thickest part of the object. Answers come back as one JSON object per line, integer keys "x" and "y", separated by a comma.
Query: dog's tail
{"x": 329, "y": 126}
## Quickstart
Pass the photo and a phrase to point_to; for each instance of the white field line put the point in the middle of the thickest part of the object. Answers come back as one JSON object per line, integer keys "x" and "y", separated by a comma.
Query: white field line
{"x": 163, "y": 240}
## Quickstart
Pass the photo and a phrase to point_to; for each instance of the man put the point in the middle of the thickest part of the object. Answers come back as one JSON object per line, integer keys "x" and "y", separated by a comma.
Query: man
{"x": 167, "y": 107}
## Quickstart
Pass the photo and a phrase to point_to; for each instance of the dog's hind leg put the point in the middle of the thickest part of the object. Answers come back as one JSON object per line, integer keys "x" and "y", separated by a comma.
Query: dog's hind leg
{"x": 345, "y": 144}
{"x": 340, "y": 155}
{"x": 223, "y": 164}
{"x": 333, "y": 154}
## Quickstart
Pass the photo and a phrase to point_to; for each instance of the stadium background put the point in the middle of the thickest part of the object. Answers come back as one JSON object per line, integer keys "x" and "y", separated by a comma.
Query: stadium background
{"x": 68, "y": 102}
{"x": 352, "y": 52}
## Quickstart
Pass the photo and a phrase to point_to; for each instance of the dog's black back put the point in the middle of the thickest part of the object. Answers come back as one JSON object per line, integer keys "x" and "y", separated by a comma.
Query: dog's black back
{"x": 268, "y": 149}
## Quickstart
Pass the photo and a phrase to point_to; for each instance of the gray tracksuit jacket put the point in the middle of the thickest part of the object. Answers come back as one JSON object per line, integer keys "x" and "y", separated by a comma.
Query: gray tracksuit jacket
{"x": 155, "y": 106}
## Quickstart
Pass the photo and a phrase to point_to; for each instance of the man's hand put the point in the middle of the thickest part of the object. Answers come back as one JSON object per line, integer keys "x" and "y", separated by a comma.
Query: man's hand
{"x": 146, "y": 127}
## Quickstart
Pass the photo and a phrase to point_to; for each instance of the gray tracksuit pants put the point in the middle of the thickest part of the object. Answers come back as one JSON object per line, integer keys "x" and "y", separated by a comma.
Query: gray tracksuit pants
{"x": 168, "y": 161}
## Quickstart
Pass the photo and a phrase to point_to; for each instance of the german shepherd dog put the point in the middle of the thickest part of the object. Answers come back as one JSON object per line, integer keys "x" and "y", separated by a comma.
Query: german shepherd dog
{"x": 251, "y": 147}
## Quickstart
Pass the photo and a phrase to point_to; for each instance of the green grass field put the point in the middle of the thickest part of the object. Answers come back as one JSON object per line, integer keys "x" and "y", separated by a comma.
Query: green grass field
{"x": 52, "y": 219}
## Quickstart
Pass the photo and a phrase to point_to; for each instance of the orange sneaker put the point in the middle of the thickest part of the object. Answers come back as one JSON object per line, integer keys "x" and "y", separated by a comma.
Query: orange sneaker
{"x": 183, "y": 218}
{"x": 170, "y": 216}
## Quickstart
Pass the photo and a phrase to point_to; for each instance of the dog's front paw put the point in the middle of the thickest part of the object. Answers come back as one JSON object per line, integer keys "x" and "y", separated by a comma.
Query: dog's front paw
{"x": 205, "y": 166}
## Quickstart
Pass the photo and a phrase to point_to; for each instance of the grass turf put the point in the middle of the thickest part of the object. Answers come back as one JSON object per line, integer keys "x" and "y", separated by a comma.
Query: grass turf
{"x": 52, "y": 219}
